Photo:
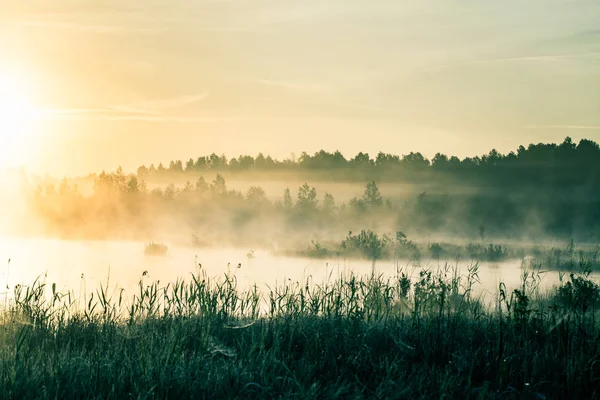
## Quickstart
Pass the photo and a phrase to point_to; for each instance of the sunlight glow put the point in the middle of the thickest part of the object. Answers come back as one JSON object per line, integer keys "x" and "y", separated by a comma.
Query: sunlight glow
{"x": 17, "y": 115}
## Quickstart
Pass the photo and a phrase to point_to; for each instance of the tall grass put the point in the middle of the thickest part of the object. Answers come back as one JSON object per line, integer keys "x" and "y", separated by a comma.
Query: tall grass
{"x": 425, "y": 337}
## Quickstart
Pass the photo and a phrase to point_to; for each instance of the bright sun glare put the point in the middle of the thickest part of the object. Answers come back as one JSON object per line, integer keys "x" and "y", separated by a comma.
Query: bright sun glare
{"x": 17, "y": 114}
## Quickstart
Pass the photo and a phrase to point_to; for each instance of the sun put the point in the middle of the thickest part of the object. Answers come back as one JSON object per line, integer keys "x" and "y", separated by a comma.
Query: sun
{"x": 17, "y": 115}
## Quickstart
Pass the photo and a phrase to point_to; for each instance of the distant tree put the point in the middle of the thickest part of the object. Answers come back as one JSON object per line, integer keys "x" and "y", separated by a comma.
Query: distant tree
{"x": 201, "y": 185}
{"x": 188, "y": 188}
{"x": 143, "y": 188}
{"x": 469, "y": 163}
{"x": 304, "y": 160}
{"x": 436, "y": 250}
{"x": 361, "y": 160}
{"x": 234, "y": 164}
{"x": 119, "y": 180}
{"x": 328, "y": 203}
{"x": 368, "y": 243}
{"x": 567, "y": 146}
{"x": 415, "y": 161}
{"x": 201, "y": 163}
{"x": 257, "y": 196}
{"x": 588, "y": 149}
{"x": 176, "y": 166}
{"x": 384, "y": 160}
{"x": 287, "y": 199}
{"x": 269, "y": 162}
{"x": 260, "y": 161}
{"x": 133, "y": 185}
{"x": 190, "y": 165}
{"x": 357, "y": 205}
{"x": 491, "y": 160}
{"x": 511, "y": 157}
{"x": 324, "y": 160}
{"x": 372, "y": 196}
{"x": 214, "y": 161}
{"x": 246, "y": 162}
{"x": 440, "y": 162}
{"x": 142, "y": 172}
{"x": 307, "y": 198}
{"x": 403, "y": 245}
{"x": 170, "y": 192}
{"x": 218, "y": 186}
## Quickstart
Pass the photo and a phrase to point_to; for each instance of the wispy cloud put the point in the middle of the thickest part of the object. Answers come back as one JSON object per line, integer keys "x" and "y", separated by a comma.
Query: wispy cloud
{"x": 331, "y": 98}
{"x": 85, "y": 27}
{"x": 554, "y": 57}
{"x": 121, "y": 21}
{"x": 574, "y": 127}
{"x": 172, "y": 102}
{"x": 124, "y": 113}
{"x": 233, "y": 29}
{"x": 103, "y": 22}
{"x": 303, "y": 87}
{"x": 109, "y": 114}
{"x": 147, "y": 110}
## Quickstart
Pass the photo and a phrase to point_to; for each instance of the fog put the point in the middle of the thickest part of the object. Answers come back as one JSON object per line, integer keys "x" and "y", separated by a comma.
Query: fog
{"x": 81, "y": 267}
{"x": 537, "y": 208}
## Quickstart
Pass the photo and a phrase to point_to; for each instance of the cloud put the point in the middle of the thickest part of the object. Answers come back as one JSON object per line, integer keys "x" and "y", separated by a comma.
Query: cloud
{"x": 322, "y": 89}
{"x": 292, "y": 85}
{"x": 173, "y": 102}
{"x": 363, "y": 107}
{"x": 141, "y": 67}
{"x": 128, "y": 113}
{"x": 149, "y": 110}
{"x": 233, "y": 29}
{"x": 142, "y": 115}
{"x": 574, "y": 127}
{"x": 109, "y": 114}
{"x": 118, "y": 113}
{"x": 556, "y": 57}
{"x": 86, "y": 27}
{"x": 112, "y": 22}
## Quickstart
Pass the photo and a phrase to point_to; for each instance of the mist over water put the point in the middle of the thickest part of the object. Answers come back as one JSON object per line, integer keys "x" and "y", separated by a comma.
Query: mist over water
{"x": 311, "y": 219}
{"x": 82, "y": 266}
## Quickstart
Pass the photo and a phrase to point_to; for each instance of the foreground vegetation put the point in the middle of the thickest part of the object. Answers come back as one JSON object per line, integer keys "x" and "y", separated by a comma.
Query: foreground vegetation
{"x": 408, "y": 337}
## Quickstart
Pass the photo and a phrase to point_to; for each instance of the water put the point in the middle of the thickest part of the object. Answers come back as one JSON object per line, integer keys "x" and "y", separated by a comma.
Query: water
{"x": 83, "y": 265}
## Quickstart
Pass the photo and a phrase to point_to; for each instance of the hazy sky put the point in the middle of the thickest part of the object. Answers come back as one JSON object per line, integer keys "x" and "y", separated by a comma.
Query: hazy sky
{"x": 128, "y": 82}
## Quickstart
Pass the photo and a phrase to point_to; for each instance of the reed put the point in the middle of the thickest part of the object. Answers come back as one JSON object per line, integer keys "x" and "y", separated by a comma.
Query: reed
{"x": 425, "y": 336}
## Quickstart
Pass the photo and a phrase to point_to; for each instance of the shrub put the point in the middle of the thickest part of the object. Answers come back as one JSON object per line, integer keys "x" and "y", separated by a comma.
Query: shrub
{"x": 579, "y": 293}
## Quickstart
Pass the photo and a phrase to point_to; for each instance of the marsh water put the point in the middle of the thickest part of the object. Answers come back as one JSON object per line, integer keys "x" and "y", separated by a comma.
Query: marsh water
{"x": 83, "y": 265}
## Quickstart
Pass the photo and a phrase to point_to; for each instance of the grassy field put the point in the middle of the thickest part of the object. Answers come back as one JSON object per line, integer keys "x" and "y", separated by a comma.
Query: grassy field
{"x": 357, "y": 337}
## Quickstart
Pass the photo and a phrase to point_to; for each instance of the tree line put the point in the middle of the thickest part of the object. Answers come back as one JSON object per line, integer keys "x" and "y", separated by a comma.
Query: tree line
{"x": 546, "y": 190}
{"x": 552, "y": 164}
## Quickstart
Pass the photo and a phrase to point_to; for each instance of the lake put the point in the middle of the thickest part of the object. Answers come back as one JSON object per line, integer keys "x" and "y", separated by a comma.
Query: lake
{"x": 83, "y": 265}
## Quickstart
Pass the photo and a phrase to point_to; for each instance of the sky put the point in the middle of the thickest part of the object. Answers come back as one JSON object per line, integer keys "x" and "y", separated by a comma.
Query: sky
{"x": 138, "y": 82}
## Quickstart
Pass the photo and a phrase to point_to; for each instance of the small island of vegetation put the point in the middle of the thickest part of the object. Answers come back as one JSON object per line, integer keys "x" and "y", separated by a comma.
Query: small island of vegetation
{"x": 156, "y": 249}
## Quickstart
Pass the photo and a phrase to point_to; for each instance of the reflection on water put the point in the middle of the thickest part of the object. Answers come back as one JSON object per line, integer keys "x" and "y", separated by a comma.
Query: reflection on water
{"x": 123, "y": 263}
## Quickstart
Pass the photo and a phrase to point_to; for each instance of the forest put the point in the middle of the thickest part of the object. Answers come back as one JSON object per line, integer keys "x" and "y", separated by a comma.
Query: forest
{"x": 546, "y": 191}
{"x": 547, "y": 165}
